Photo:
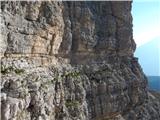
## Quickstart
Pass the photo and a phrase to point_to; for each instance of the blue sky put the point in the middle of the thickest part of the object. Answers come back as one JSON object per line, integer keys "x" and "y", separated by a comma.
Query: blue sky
{"x": 146, "y": 20}
{"x": 146, "y": 28}
{"x": 149, "y": 59}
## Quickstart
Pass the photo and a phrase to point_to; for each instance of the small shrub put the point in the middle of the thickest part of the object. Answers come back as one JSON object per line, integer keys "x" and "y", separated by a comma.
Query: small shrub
{"x": 6, "y": 70}
{"x": 73, "y": 74}
{"x": 11, "y": 69}
{"x": 19, "y": 71}
{"x": 73, "y": 103}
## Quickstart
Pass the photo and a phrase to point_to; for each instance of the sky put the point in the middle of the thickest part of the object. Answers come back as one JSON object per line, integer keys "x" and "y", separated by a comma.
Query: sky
{"x": 146, "y": 20}
{"x": 146, "y": 28}
{"x": 149, "y": 59}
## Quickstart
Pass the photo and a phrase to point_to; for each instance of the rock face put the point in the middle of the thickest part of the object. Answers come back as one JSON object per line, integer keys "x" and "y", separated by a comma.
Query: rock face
{"x": 71, "y": 61}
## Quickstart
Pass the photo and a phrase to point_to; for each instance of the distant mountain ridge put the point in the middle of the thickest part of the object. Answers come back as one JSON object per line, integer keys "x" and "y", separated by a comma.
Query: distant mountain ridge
{"x": 149, "y": 57}
{"x": 154, "y": 82}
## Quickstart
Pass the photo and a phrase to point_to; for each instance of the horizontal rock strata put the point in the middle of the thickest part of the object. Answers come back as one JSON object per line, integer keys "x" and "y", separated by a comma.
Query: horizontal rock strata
{"x": 71, "y": 61}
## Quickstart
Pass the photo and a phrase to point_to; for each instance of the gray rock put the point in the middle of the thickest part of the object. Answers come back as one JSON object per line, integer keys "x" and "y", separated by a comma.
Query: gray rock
{"x": 66, "y": 60}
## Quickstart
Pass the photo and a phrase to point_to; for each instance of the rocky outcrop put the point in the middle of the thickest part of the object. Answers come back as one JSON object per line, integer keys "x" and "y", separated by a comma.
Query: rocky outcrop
{"x": 71, "y": 61}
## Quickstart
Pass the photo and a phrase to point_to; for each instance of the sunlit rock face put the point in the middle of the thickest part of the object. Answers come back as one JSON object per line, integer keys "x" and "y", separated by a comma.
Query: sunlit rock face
{"x": 32, "y": 27}
{"x": 71, "y": 61}
{"x": 67, "y": 28}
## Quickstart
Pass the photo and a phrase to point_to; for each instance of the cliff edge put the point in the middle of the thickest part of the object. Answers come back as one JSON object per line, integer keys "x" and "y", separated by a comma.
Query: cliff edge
{"x": 71, "y": 61}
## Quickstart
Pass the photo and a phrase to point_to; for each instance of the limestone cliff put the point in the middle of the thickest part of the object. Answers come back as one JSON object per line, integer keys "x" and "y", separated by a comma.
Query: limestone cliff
{"x": 71, "y": 61}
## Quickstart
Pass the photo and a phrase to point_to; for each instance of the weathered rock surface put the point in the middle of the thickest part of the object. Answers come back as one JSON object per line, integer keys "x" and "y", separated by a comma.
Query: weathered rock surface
{"x": 71, "y": 61}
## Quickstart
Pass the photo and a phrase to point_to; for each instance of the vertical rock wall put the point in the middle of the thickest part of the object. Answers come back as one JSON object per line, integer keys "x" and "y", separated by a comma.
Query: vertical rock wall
{"x": 68, "y": 28}
{"x": 71, "y": 61}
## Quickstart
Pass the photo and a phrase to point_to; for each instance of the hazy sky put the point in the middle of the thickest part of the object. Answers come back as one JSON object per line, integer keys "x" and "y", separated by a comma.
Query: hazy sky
{"x": 148, "y": 55}
{"x": 146, "y": 27}
{"x": 146, "y": 20}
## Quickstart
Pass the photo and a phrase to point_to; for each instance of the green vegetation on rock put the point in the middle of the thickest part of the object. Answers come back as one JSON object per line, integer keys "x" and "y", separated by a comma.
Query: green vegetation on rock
{"x": 73, "y": 103}
{"x": 6, "y": 70}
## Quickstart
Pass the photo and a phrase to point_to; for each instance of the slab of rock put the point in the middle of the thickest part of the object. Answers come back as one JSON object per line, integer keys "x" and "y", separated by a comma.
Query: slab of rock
{"x": 66, "y": 60}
